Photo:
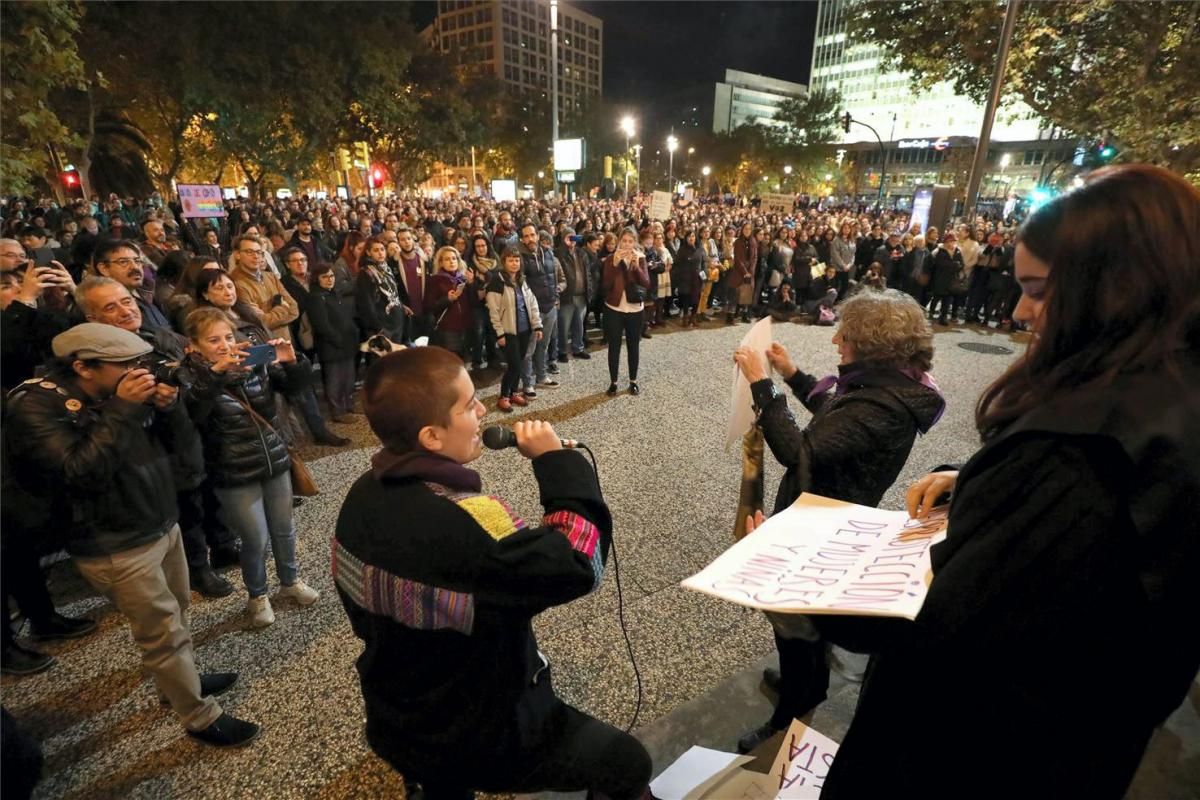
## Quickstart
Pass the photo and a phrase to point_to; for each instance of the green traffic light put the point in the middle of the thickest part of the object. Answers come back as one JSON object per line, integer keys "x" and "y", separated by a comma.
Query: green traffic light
{"x": 1107, "y": 152}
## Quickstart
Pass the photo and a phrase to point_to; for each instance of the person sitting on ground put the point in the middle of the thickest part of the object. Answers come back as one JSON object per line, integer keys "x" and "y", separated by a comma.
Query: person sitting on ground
{"x": 865, "y": 421}
{"x": 441, "y": 581}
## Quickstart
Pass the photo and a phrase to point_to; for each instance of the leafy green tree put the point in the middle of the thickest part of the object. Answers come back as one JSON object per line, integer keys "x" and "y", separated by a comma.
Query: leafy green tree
{"x": 38, "y": 56}
{"x": 808, "y": 120}
{"x": 1132, "y": 69}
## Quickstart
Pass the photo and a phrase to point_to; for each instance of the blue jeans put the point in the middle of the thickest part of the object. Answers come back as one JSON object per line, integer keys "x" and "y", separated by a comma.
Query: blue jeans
{"x": 570, "y": 324}
{"x": 254, "y": 512}
{"x": 535, "y": 357}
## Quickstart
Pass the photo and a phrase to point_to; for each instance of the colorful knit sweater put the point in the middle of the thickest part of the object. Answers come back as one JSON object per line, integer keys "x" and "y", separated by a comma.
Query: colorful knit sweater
{"x": 441, "y": 582}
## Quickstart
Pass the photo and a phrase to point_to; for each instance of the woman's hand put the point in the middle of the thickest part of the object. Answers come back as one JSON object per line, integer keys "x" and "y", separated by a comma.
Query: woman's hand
{"x": 285, "y": 353}
{"x": 537, "y": 336}
{"x": 231, "y": 361}
{"x": 780, "y": 361}
{"x": 750, "y": 363}
{"x": 254, "y": 307}
{"x": 924, "y": 493}
{"x": 456, "y": 293}
{"x": 500, "y": 341}
{"x": 755, "y": 522}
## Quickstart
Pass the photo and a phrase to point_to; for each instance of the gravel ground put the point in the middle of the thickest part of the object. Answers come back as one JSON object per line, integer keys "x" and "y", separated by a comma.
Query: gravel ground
{"x": 673, "y": 491}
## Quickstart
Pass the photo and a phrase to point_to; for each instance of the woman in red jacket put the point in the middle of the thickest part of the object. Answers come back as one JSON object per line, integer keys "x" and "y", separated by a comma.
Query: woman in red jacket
{"x": 741, "y": 276}
{"x": 625, "y": 285}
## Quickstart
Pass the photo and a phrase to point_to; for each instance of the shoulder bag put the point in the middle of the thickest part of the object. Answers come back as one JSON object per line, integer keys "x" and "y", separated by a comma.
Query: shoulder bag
{"x": 303, "y": 484}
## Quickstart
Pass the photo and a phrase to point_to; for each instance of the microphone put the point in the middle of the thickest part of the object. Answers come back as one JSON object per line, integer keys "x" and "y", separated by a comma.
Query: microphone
{"x": 498, "y": 437}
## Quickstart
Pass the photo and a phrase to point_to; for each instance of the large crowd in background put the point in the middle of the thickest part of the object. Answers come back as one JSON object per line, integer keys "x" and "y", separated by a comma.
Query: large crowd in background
{"x": 145, "y": 350}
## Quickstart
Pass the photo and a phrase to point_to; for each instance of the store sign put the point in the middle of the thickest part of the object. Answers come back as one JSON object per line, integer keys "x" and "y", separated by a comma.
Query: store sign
{"x": 941, "y": 143}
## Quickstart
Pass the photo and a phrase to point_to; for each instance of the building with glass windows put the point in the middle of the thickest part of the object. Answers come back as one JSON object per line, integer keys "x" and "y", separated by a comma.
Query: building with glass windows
{"x": 746, "y": 98}
{"x": 511, "y": 39}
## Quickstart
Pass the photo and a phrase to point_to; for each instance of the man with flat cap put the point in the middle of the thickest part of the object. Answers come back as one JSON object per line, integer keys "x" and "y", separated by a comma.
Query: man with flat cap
{"x": 96, "y": 432}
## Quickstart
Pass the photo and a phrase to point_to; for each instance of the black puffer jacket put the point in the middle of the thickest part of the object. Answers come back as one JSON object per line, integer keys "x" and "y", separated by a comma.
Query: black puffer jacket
{"x": 238, "y": 448}
{"x": 856, "y": 443}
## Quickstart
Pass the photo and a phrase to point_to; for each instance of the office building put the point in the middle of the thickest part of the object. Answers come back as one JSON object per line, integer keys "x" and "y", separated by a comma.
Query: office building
{"x": 745, "y": 98}
{"x": 511, "y": 39}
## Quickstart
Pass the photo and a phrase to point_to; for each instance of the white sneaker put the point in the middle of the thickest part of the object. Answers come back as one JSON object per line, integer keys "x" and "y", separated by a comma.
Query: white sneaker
{"x": 259, "y": 609}
{"x": 301, "y": 592}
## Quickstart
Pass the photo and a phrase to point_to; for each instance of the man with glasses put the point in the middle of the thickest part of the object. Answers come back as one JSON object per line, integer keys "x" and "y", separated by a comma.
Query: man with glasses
{"x": 123, "y": 262}
{"x": 97, "y": 433}
{"x": 262, "y": 289}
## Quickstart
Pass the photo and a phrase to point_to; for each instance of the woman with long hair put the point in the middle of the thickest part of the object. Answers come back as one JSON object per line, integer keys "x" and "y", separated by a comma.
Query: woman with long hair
{"x": 864, "y": 422}
{"x": 1062, "y": 596}
{"x": 513, "y": 313}
{"x": 183, "y": 300}
{"x": 380, "y": 302}
{"x": 712, "y": 269}
{"x": 625, "y": 284}
{"x": 690, "y": 275}
{"x": 346, "y": 266}
{"x": 446, "y": 297}
{"x": 481, "y": 264}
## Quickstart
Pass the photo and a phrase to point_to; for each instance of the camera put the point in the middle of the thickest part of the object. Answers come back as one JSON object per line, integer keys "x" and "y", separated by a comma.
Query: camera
{"x": 172, "y": 373}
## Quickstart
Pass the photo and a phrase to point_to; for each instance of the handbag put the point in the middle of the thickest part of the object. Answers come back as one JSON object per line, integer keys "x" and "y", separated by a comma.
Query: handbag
{"x": 634, "y": 292}
{"x": 303, "y": 484}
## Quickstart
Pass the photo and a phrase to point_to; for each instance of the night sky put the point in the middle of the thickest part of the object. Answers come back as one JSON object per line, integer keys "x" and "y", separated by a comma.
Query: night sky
{"x": 661, "y": 59}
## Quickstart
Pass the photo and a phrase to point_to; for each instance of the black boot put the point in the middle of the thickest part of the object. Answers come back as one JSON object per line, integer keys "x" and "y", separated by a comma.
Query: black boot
{"x": 16, "y": 660}
{"x": 756, "y": 737}
{"x": 227, "y": 731}
{"x": 228, "y": 555}
{"x": 56, "y": 626}
{"x": 331, "y": 439}
{"x": 209, "y": 583}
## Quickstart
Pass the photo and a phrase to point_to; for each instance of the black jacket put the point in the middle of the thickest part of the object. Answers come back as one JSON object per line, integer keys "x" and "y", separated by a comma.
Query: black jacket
{"x": 856, "y": 443}
{"x": 107, "y": 460}
{"x": 238, "y": 448}
{"x": 1072, "y": 555}
{"x": 334, "y": 328}
{"x": 25, "y": 337}
{"x": 945, "y": 271}
{"x": 441, "y": 582}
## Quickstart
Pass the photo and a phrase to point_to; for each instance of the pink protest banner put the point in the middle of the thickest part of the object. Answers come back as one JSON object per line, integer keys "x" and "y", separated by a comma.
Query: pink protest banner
{"x": 202, "y": 200}
{"x": 823, "y": 556}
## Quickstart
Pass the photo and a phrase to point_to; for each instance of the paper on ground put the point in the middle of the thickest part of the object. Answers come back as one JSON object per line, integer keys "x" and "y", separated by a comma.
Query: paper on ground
{"x": 823, "y": 556}
{"x": 694, "y": 772}
{"x": 741, "y": 404}
{"x": 802, "y": 763}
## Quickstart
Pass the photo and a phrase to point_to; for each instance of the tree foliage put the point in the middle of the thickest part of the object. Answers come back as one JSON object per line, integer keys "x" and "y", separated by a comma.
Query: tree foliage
{"x": 38, "y": 56}
{"x": 1132, "y": 69}
{"x": 809, "y": 120}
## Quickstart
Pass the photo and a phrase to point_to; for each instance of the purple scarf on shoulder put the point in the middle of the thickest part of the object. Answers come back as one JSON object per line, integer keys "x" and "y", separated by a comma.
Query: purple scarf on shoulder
{"x": 424, "y": 466}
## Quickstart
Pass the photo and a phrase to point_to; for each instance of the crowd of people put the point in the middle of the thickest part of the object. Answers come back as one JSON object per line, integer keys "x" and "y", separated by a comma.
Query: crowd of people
{"x": 156, "y": 369}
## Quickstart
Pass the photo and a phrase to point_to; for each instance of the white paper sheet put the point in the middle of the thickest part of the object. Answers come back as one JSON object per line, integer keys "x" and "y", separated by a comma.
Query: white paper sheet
{"x": 741, "y": 404}
{"x": 802, "y": 763}
{"x": 823, "y": 556}
{"x": 695, "y": 772}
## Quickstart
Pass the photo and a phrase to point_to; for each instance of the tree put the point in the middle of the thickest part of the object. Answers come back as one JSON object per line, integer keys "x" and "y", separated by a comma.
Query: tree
{"x": 808, "y": 120}
{"x": 1132, "y": 69}
{"x": 38, "y": 56}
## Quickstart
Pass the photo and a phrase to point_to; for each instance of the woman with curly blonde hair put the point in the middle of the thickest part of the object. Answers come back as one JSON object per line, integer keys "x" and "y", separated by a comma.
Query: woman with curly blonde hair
{"x": 864, "y": 422}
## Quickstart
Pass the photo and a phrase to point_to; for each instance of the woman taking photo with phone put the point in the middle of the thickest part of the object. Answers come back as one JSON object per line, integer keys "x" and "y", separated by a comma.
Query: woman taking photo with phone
{"x": 446, "y": 297}
{"x": 1063, "y": 595}
{"x": 233, "y": 407}
{"x": 625, "y": 286}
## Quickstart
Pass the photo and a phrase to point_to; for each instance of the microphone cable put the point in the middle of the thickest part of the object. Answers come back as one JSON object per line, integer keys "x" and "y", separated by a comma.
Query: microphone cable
{"x": 637, "y": 675}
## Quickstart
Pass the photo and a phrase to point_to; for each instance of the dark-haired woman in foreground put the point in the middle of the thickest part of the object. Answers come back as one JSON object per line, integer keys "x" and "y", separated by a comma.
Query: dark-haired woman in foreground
{"x": 1055, "y": 636}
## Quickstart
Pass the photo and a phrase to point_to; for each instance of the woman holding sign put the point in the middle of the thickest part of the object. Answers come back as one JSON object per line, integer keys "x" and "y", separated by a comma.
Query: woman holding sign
{"x": 1054, "y": 638}
{"x": 865, "y": 420}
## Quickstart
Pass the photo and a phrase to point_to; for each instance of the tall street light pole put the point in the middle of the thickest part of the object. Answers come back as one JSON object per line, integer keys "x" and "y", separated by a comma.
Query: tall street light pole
{"x": 637, "y": 151}
{"x": 629, "y": 127}
{"x": 989, "y": 113}
{"x": 672, "y": 144}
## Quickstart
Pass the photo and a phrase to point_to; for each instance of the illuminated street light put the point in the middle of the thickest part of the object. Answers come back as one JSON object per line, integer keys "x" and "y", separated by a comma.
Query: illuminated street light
{"x": 672, "y": 145}
{"x": 706, "y": 171}
{"x": 629, "y": 126}
{"x": 787, "y": 169}
{"x": 541, "y": 174}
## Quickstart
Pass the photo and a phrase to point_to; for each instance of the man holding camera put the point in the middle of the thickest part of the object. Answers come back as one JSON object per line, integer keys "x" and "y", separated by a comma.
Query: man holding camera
{"x": 105, "y": 301}
{"x": 98, "y": 430}
{"x": 442, "y": 581}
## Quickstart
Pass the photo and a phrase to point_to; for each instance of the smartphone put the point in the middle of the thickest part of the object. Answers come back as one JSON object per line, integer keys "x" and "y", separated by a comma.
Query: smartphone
{"x": 259, "y": 355}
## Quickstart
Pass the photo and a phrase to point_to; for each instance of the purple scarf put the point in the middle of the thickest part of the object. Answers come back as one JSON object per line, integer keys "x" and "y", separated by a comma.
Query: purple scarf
{"x": 425, "y": 467}
{"x": 849, "y": 373}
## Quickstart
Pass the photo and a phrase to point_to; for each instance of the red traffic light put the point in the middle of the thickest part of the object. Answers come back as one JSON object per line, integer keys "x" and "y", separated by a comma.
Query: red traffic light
{"x": 376, "y": 178}
{"x": 70, "y": 178}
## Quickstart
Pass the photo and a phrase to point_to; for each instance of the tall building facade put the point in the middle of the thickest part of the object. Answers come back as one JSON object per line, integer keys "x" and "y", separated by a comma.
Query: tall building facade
{"x": 511, "y": 39}
{"x": 928, "y": 137}
{"x": 746, "y": 98}
{"x": 885, "y": 99}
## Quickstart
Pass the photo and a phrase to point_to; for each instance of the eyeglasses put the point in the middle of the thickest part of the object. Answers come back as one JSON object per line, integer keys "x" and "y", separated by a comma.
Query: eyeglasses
{"x": 255, "y": 253}
{"x": 123, "y": 262}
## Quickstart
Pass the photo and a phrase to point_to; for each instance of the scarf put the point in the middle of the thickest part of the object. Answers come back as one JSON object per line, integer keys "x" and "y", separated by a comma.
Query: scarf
{"x": 425, "y": 466}
{"x": 382, "y": 275}
{"x": 849, "y": 374}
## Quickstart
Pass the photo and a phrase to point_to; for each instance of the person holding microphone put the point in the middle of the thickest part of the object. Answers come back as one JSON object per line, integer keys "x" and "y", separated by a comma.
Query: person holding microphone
{"x": 625, "y": 286}
{"x": 1061, "y": 597}
{"x": 442, "y": 580}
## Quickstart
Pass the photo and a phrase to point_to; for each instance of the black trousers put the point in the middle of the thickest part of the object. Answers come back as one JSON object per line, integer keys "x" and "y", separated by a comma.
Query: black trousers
{"x": 842, "y": 282}
{"x": 617, "y": 323}
{"x": 514, "y": 353}
{"x": 803, "y": 679}
{"x": 584, "y": 754}
{"x": 22, "y": 578}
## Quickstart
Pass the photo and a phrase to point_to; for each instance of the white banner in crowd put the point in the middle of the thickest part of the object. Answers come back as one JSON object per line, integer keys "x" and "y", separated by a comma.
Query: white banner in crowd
{"x": 660, "y": 206}
{"x": 776, "y": 203}
{"x": 823, "y": 556}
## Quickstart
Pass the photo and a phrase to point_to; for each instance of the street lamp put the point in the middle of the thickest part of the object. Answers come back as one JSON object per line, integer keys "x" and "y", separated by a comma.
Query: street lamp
{"x": 629, "y": 126}
{"x": 706, "y": 171}
{"x": 787, "y": 173}
{"x": 637, "y": 151}
{"x": 672, "y": 145}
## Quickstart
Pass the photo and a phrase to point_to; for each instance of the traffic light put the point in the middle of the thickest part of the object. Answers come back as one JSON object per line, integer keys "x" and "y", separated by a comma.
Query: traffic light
{"x": 376, "y": 178}
{"x": 70, "y": 180}
{"x": 362, "y": 154}
{"x": 343, "y": 159}
{"x": 1100, "y": 153}
{"x": 1106, "y": 152}
{"x": 846, "y": 122}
